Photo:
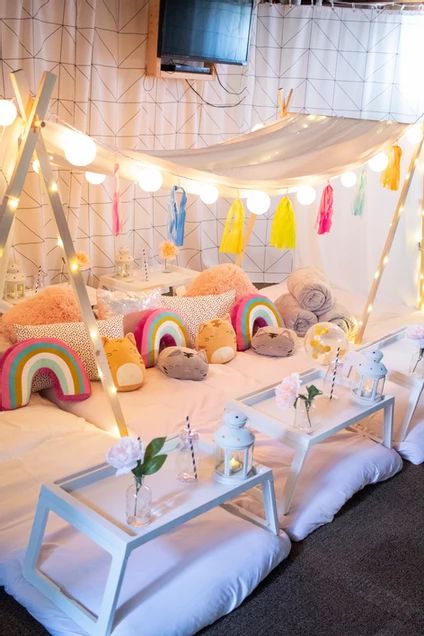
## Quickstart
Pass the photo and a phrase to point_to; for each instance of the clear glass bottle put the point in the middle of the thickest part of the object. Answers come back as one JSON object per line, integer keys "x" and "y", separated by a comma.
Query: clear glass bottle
{"x": 303, "y": 417}
{"x": 188, "y": 457}
{"x": 416, "y": 364}
{"x": 138, "y": 503}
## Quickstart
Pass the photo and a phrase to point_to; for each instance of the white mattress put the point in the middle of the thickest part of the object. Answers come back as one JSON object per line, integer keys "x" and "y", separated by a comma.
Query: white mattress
{"x": 40, "y": 443}
{"x": 161, "y": 405}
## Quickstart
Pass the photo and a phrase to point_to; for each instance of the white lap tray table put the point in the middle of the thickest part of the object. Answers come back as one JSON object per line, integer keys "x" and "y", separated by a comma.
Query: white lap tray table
{"x": 94, "y": 503}
{"x": 328, "y": 417}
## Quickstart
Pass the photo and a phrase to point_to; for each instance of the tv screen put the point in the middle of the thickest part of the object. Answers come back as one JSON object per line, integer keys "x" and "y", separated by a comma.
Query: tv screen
{"x": 205, "y": 30}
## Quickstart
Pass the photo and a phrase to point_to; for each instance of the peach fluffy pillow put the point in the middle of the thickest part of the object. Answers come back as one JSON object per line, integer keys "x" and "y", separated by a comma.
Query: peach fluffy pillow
{"x": 221, "y": 278}
{"x": 51, "y": 305}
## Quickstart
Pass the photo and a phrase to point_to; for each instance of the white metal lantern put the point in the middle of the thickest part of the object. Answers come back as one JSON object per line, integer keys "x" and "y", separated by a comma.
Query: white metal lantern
{"x": 14, "y": 284}
{"x": 123, "y": 263}
{"x": 372, "y": 375}
{"x": 234, "y": 448}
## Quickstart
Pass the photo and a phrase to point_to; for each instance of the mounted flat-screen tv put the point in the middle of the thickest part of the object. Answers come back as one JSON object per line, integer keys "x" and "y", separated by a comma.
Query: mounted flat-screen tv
{"x": 205, "y": 30}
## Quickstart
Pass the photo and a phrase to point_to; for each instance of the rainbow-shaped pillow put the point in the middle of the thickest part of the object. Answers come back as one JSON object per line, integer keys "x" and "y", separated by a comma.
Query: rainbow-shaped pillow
{"x": 24, "y": 359}
{"x": 157, "y": 329}
{"x": 251, "y": 312}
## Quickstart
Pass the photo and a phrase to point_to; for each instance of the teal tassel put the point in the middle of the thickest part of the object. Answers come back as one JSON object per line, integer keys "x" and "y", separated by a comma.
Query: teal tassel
{"x": 358, "y": 204}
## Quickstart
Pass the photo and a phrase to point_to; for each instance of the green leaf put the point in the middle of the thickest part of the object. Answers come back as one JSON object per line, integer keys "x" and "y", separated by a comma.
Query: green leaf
{"x": 153, "y": 465}
{"x": 313, "y": 392}
{"x": 154, "y": 447}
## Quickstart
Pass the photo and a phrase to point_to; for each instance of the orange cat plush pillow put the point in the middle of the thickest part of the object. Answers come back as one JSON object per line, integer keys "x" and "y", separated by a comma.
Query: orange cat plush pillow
{"x": 125, "y": 362}
{"x": 217, "y": 339}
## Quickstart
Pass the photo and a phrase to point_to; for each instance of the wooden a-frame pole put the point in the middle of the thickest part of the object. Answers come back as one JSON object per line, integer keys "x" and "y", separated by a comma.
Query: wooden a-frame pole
{"x": 388, "y": 243}
{"x": 32, "y": 111}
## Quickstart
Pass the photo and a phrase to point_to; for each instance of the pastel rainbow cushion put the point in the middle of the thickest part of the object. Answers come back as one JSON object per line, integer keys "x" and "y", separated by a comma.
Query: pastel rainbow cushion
{"x": 157, "y": 329}
{"x": 21, "y": 362}
{"x": 251, "y": 312}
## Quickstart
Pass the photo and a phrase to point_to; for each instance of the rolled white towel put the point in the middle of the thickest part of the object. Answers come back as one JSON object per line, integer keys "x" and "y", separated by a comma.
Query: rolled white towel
{"x": 311, "y": 290}
{"x": 293, "y": 315}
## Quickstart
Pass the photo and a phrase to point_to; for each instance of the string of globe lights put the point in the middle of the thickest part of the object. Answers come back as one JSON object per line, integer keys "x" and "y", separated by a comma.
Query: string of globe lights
{"x": 80, "y": 151}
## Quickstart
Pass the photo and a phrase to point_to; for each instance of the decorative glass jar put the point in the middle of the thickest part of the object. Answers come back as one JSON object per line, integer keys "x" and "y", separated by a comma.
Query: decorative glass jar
{"x": 138, "y": 503}
{"x": 303, "y": 417}
{"x": 187, "y": 456}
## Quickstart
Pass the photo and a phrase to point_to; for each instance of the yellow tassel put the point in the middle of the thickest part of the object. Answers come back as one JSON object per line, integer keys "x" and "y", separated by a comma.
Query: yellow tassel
{"x": 283, "y": 229}
{"x": 232, "y": 237}
{"x": 390, "y": 176}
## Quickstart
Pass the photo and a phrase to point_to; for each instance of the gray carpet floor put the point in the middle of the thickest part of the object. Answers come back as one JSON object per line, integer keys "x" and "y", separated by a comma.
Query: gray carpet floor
{"x": 362, "y": 575}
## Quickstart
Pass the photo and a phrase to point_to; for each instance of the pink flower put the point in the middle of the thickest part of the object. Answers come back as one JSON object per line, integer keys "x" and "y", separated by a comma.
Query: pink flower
{"x": 287, "y": 391}
{"x": 125, "y": 455}
{"x": 416, "y": 332}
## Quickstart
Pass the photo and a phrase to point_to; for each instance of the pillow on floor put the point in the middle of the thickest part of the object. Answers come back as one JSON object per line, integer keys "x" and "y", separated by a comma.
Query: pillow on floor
{"x": 199, "y": 309}
{"x": 112, "y": 303}
{"x": 53, "y": 304}
{"x": 221, "y": 278}
{"x": 75, "y": 335}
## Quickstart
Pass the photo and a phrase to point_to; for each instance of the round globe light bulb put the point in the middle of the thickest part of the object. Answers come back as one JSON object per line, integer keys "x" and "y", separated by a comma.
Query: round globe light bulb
{"x": 36, "y": 166}
{"x": 306, "y": 195}
{"x": 414, "y": 134}
{"x": 258, "y": 202}
{"x": 79, "y": 149}
{"x": 8, "y": 112}
{"x": 149, "y": 179}
{"x": 257, "y": 127}
{"x": 379, "y": 162}
{"x": 348, "y": 179}
{"x": 95, "y": 178}
{"x": 208, "y": 193}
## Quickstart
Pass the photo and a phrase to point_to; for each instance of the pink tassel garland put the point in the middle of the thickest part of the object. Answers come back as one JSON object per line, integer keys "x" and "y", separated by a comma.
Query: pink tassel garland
{"x": 116, "y": 222}
{"x": 325, "y": 212}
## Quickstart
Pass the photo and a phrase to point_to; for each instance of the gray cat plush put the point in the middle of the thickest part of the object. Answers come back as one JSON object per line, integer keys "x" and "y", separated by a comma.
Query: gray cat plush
{"x": 183, "y": 363}
{"x": 274, "y": 341}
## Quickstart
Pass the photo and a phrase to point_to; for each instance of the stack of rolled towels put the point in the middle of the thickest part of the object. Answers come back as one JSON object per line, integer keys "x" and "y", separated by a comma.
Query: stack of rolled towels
{"x": 310, "y": 300}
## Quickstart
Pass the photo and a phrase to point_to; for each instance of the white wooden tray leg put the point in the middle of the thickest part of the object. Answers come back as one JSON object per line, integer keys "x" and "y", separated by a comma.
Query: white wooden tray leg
{"x": 37, "y": 533}
{"x": 388, "y": 424}
{"x": 111, "y": 593}
{"x": 270, "y": 507}
{"x": 293, "y": 476}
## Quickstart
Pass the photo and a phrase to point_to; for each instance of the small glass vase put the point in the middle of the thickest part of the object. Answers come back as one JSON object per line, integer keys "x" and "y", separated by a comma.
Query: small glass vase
{"x": 416, "y": 365}
{"x": 166, "y": 266}
{"x": 138, "y": 503}
{"x": 303, "y": 417}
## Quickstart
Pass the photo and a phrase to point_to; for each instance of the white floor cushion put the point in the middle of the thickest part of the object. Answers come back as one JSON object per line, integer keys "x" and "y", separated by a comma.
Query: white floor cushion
{"x": 174, "y": 585}
{"x": 333, "y": 471}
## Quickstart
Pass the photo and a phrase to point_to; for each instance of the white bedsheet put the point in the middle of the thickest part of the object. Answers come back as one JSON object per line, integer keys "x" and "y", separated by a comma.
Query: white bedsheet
{"x": 204, "y": 559}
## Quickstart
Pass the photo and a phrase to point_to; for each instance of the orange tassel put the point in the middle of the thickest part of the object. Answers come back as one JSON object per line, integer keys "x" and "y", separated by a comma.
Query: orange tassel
{"x": 391, "y": 175}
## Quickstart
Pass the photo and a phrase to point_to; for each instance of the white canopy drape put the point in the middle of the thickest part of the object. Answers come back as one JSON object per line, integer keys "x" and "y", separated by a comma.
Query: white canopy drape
{"x": 293, "y": 151}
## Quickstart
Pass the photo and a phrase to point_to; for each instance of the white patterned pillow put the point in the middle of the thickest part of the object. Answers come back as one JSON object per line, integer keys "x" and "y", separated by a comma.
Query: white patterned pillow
{"x": 75, "y": 335}
{"x": 197, "y": 309}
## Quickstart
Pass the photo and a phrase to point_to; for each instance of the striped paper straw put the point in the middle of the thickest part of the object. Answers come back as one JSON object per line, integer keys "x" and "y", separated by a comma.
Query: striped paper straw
{"x": 333, "y": 381}
{"x": 145, "y": 264}
{"x": 38, "y": 280}
{"x": 193, "y": 459}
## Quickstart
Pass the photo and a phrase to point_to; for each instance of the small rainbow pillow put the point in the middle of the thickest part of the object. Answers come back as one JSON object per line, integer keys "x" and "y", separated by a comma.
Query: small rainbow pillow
{"x": 24, "y": 359}
{"x": 157, "y": 329}
{"x": 251, "y": 312}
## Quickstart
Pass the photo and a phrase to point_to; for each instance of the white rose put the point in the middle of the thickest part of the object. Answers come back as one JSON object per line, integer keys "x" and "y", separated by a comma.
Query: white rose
{"x": 125, "y": 454}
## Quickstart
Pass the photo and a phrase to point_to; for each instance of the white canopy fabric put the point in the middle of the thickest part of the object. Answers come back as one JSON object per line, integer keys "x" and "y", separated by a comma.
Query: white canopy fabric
{"x": 296, "y": 150}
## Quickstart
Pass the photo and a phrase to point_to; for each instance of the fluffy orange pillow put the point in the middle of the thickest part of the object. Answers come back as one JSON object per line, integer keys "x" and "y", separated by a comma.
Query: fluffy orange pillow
{"x": 221, "y": 278}
{"x": 51, "y": 305}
